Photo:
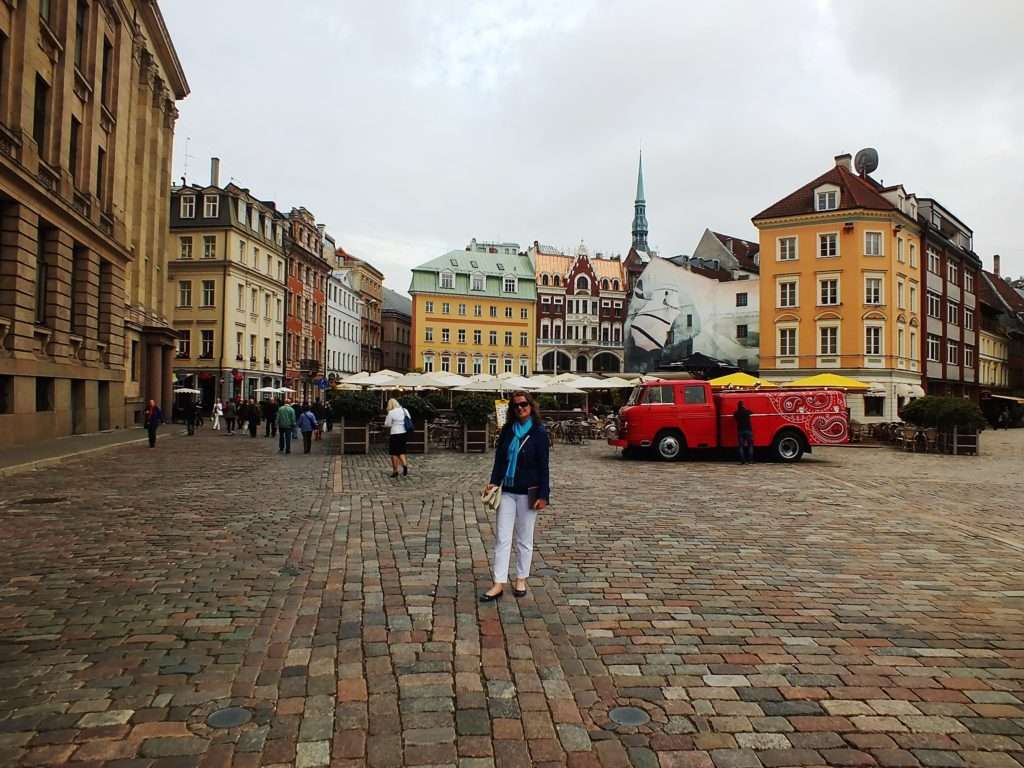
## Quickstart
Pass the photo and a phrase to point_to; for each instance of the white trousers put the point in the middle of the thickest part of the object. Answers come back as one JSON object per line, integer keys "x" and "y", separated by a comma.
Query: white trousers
{"x": 514, "y": 514}
{"x": 216, "y": 421}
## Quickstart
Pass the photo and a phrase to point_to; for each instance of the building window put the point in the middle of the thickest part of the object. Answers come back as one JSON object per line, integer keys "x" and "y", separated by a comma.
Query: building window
{"x": 106, "y": 75}
{"x": 462, "y": 309}
{"x": 934, "y": 305}
{"x": 508, "y": 365}
{"x": 828, "y": 340}
{"x": 208, "y": 293}
{"x": 524, "y": 367}
{"x": 101, "y": 177}
{"x": 493, "y": 311}
{"x": 951, "y": 273}
{"x": 899, "y": 249}
{"x": 477, "y": 336}
{"x": 429, "y": 306}
{"x": 255, "y": 299}
{"x": 428, "y": 363}
{"x": 913, "y": 256}
{"x": 952, "y": 353}
{"x": 477, "y": 366}
{"x": 40, "y": 115}
{"x": 934, "y": 264}
{"x": 523, "y": 339}
{"x": 872, "y": 243}
{"x": 508, "y": 312}
{"x": 447, "y": 280}
{"x": 508, "y": 338}
{"x": 184, "y": 343}
{"x": 478, "y": 282}
{"x": 873, "y": 340}
{"x": 787, "y": 249}
{"x": 266, "y": 305}
{"x": 211, "y": 206}
{"x": 445, "y": 335}
{"x": 899, "y": 294}
{"x": 187, "y": 205}
{"x": 446, "y": 308}
{"x": 446, "y": 364}
{"x": 207, "y": 344}
{"x": 827, "y": 201}
{"x": 460, "y": 365}
{"x": 462, "y": 335}
{"x": 787, "y": 342}
{"x": 477, "y": 310}
{"x": 186, "y": 248}
{"x": 241, "y": 297}
{"x": 913, "y": 345}
{"x": 209, "y": 247}
{"x": 492, "y": 337}
{"x": 968, "y": 282}
{"x": 933, "y": 348}
{"x": 828, "y": 291}
{"x": 741, "y": 299}
{"x": 185, "y": 293}
{"x": 787, "y": 293}
{"x": 968, "y": 319}
{"x": 873, "y": 290}
{"x": 874, "y": 406}
{"x": 828, "y": 245}
{"x": 492, "y": 366}
{"x": 74, "y": 144}
{"x": 741, "y": 331}
{"x": 524, "y": 314}
{"x": 509, "y": 285}
{"x": 968, "y": 357}
{"x": 44, "y": 394}
{"x": 428, "y": 334}
{"x": 913, "y": 298}
{"x": 952, "y": 312}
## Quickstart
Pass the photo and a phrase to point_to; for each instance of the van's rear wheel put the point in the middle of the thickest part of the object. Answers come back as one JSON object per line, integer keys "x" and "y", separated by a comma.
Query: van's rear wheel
{"x": 788, "y": 446}
{"x": 669, "y": 445}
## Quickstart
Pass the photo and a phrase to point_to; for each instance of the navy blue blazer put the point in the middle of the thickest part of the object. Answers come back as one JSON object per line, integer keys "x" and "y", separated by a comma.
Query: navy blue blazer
{"x": 531, "y": 466}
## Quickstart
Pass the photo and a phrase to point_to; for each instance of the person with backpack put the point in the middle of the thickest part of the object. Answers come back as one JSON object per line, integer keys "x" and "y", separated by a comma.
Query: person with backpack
{"x": 307, "y": 426}
{"x": 399, "y": 422}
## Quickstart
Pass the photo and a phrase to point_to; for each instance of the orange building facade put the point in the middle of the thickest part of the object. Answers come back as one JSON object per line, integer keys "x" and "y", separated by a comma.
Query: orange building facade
{"x": 308, "y": 271}
{"x": 841, "y": 288}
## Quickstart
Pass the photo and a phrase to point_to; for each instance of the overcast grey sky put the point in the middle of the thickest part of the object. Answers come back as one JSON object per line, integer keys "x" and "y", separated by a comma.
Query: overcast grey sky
{"x": 410, "y": 127}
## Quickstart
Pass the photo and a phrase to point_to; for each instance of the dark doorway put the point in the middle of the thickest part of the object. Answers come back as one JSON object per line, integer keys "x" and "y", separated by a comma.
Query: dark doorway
{"x": 581, "y": 364}
{"x": 77, "y": 406}
{"x": 103, "y": 397}
{"x": 606, "y": 362}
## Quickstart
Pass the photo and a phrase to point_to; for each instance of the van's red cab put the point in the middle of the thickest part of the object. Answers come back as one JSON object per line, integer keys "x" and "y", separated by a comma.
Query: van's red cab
{"x": 672, "y": 416}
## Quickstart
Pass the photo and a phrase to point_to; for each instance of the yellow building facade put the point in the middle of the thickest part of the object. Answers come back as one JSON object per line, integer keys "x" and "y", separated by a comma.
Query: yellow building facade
{"x": 993, "y": 360}
{"x": 473, "y": 312}
{"x": 841, "y": 288}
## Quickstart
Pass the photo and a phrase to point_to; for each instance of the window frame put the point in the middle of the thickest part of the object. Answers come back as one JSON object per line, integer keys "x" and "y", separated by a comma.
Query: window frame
{"x": 781, "y": 251}
{"x": 820, "y": 237}
{"x": 881, "y": 242}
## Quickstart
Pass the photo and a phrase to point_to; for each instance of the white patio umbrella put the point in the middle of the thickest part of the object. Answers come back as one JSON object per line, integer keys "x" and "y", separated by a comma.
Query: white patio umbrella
{"x": 588, "y": 382}
{"x": 566, "y": 377}
{"x": 617, "y": 383}
{"x": 521, "y": 382}
{"x": 482, "y": 386}
{"x": 357, "y": 378}
{"x": 284, "y": 390}
{"x": 378, "y": 380}
{"x": 389, "y": 372}
{"x": 559, "y": 388}
{"x": 186, "y": 391}
{"x": 414, "y": 381}
{"x": 446, "y": 379}
{"x": 268, "y": 390}
{"x": 481, "y": 377}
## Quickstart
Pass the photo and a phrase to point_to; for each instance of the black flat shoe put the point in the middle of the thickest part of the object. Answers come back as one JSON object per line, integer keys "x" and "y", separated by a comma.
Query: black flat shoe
{"x": 485, "y": 598}
{"x": 394, "y": 474}
{"x": 519, "y": 592}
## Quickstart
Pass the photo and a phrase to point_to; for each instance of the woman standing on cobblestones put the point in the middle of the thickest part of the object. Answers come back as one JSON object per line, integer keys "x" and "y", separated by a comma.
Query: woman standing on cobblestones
{"x": 521, "y": 469}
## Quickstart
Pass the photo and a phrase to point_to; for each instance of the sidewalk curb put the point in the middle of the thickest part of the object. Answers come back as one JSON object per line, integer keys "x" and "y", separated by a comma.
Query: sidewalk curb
{"x": 29, "y": 465}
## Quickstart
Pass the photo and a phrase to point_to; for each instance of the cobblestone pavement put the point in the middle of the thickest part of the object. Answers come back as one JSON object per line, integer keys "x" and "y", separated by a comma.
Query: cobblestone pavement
{"x": 860, "y": 608}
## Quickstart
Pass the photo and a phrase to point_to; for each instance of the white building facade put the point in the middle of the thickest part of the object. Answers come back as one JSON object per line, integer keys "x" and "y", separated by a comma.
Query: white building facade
{"x": 344, "y": 308}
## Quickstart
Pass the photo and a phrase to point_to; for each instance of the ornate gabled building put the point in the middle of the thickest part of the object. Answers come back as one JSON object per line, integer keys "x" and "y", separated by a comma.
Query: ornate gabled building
{"x": 87, "y": 113}
{"x": 305, "y": 321}
{"x": 581, "y": 306}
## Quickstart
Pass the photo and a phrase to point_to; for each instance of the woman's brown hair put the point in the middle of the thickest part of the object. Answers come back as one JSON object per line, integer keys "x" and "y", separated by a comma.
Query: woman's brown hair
{"x": 510, "y": 416}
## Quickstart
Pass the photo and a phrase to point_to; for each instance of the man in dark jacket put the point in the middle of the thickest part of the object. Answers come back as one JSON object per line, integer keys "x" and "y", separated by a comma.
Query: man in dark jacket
{"x": 190, "y": 415}
{"x": 744, "y": 433}
{"x": 252, "y": 413}
{"x": 265, "y": 404}
{"x": 154, "y": 417}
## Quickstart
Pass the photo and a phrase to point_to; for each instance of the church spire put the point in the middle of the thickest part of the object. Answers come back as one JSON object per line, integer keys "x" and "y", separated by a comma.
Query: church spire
{"x": 640, "y": 210}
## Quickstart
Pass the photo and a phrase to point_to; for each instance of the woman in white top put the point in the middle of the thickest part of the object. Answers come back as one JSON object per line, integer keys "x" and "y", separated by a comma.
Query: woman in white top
{"x": 398, "y": 436}
{"x": 218, "y": 411}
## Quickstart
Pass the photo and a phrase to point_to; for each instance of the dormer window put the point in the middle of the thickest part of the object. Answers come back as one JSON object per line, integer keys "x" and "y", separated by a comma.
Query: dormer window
{"x": 510, "y": 285}
{"x": 478, "y": 282}
{"x": 826, "y": 198}
{"x": 188, "y": 206}
{"x": 211, "y": 206}
{"x": 447, "y": 280}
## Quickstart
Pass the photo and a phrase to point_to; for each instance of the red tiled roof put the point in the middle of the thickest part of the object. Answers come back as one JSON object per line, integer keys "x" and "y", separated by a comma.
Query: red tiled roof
{"x": 1006, "y": 292}
{"x": 855, "y": 192}
{"x": 743, "y": 250}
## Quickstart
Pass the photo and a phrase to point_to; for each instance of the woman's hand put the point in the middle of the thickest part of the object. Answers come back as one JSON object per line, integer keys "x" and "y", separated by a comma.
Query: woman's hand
{"x": 539, "y": 504}
{"x": 488, "y": 488}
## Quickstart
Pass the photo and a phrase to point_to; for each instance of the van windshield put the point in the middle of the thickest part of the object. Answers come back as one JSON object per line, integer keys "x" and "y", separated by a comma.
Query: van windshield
{"x": 634, "y": 396}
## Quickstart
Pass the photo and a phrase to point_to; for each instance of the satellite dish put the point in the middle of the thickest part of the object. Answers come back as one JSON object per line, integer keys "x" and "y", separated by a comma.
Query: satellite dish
{"x": 866, "y": 161}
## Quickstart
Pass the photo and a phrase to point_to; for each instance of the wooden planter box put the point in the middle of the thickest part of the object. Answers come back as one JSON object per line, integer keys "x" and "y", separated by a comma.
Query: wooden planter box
{"x": 476, "y": 439}
{"x": 961, "y": 443}
{"x": 419, "y": 440}
{"x": 355, "y": 438}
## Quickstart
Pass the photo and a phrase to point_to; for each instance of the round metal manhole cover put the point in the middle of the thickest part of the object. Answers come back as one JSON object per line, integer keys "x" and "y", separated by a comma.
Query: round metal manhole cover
{"x": 229, "y": 717}
{"x": 631, "y": 716}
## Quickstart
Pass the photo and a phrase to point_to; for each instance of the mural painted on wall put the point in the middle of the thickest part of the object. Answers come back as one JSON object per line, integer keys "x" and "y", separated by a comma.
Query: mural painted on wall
{"x": 675, "y": 312}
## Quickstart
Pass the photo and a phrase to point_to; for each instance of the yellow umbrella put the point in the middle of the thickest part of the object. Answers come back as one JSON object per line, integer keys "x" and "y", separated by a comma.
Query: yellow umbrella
{"x": 740, "y": 379}
{"x": 832, "y": 380}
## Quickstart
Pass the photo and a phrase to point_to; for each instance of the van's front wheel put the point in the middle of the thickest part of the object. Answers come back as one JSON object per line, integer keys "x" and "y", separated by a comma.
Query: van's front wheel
{"x": 788, "y": 446}
{"x": 669, "y": 445}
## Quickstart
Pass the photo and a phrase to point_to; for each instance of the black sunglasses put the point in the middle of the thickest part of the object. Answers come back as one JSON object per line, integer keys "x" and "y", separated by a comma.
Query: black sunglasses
{"x": 522, "y": 404}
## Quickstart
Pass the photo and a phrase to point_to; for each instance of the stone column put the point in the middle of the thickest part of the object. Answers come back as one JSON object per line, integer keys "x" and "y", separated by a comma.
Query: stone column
{"x": 154, "y": 374}
{"x": 168, "y": 380}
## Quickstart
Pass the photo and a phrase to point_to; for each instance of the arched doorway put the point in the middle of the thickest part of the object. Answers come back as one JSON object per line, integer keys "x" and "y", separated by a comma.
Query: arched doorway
{"x": 606, "y": 362}
{"x": 553, "y": 361}
{"x": 582, "y": 364}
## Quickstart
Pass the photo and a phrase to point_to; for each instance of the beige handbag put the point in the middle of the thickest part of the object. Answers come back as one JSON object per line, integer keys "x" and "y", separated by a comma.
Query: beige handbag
{"x": 492, "y": 498}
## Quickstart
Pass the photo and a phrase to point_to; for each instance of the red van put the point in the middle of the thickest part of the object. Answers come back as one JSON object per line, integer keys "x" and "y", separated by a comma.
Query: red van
{"x": 676, "y": 416}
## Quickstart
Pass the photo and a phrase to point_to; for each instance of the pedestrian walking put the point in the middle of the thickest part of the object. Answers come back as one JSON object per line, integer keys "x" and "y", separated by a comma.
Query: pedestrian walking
{"x": 218, "y": 414}
{"x": 285, "y": 425}
{"x": 520, "y": 474}
{"x": 398, "y": 436}
{"x": 744, "y": 433}
{"x": 318, "y": 411}
{"x": 307, "y": 425}
{"x": 272, "y": 416}
{"x": 230, "y": 415}
{"x": 328, "y": 417}
{"x": 265, "y": 415}
{"x": 189, "y": 412}
{"x": 154, "y": 417}
{"x": 253, "y": 415}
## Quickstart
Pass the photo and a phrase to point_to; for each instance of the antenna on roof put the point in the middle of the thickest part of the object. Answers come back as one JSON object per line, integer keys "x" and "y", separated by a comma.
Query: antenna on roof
{"x": 866, "y": 161}
{"x": 187, "y": 156}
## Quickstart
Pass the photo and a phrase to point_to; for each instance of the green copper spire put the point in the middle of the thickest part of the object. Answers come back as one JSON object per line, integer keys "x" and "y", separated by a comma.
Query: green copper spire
{"x": 640, "y": 210}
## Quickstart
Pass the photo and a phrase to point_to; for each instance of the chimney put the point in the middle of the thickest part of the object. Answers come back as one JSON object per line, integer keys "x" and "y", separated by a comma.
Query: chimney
{"x": 844, "y": 161}
{"x": 995, "y": 265}
{"x": 214, "y": 171}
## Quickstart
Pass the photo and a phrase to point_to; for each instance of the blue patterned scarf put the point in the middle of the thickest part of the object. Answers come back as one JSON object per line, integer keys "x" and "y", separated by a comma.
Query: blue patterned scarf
{"x": 519, "y": 431}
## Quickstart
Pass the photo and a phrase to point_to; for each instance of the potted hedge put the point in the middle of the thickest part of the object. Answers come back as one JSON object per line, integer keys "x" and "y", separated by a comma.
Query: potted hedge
{"x": 354, "y": 410}
{"x": 474, "y": 412}
{"x": 422, "y": 412}
{"x": 958, "y": 421}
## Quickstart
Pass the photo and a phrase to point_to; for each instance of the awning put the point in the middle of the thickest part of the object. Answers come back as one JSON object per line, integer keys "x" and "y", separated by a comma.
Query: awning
{"x": 1018, "y": 400}
{"x": 909, "y": 390}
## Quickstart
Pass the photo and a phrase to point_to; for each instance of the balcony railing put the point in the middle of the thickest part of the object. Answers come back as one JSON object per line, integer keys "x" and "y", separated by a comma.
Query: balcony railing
{"x": 580, "y": 343}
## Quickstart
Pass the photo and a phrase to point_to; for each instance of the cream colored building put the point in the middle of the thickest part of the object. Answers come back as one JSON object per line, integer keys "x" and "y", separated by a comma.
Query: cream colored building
{"x": 87, "y": 113}
{"x": 227, "y": 283}
{"x": 993, "y": 360}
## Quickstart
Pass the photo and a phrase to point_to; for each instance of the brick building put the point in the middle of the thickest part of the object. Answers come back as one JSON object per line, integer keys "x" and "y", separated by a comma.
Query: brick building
{"x": 87, "y": 113}
{"x": 305, "y": 320}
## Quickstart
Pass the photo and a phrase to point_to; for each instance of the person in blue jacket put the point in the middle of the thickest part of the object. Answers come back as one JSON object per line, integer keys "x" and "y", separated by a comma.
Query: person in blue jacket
{"x": 521, "y": 469}
{"x": 307, "y": 425}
